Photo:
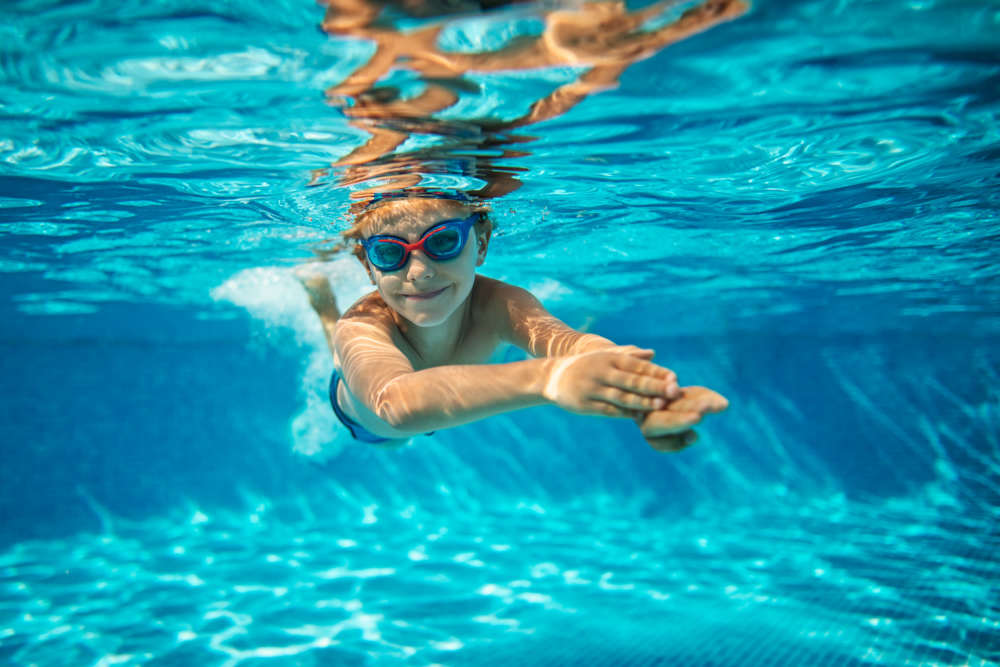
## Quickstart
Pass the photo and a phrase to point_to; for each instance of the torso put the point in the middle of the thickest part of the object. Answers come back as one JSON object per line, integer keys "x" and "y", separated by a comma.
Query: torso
{"x": 479, "y": 340}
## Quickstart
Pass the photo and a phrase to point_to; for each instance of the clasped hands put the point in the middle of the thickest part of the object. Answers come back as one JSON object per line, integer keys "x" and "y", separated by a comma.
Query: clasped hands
{"x": 623, "y": 382}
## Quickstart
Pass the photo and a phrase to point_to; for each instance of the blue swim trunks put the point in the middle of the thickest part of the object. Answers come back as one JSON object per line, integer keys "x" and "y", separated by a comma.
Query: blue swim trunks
{"x": 358, "y": 431}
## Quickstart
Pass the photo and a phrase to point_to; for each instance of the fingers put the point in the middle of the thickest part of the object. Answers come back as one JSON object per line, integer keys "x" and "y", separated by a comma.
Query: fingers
{"x": 673, "y": 443}
{"x": 699, "y": 399}
{"x": 602, "y": 409}
{"x": 654, "y": 421}
{"x": 645, "y": 385}
{"x": 634, "y": 351}
{"x": 642, "y": 371}
{"x": 639, "y": 363}
{"x": 629, "y": 400}
{"x": 668, "y": 422}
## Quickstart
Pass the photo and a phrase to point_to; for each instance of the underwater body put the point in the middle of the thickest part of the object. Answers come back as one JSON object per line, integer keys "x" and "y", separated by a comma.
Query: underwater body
{"x": 795, "y": 204}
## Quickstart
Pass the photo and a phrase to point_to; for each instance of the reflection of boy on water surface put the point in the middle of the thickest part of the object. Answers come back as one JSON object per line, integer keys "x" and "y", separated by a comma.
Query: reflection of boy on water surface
{"x": 605, "y": 37}
{"x": 409, "y": 357}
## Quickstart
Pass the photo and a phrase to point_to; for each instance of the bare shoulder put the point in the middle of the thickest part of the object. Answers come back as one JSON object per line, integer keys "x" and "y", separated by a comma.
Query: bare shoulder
{"x": 369, "y": 309}
{"x": 503, "y": 308}
{"x": 490, "y": 293}
{"x": 368, "y": 347}
{"x": 369, "y": 314}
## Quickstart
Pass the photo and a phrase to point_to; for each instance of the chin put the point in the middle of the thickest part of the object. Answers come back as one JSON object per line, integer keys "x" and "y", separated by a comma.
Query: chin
{"x": 428, "y": 314}
{"x": 426, "y": 319}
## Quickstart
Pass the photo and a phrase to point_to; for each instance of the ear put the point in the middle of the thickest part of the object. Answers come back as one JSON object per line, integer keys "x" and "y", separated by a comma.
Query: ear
{"x": 482, "y": 243}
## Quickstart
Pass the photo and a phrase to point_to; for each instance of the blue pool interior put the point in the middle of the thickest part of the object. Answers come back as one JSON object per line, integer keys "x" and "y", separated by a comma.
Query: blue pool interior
{"x": 797, "y": 209}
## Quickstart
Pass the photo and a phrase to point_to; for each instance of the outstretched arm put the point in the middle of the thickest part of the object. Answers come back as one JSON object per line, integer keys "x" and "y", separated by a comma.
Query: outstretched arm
{"x": 394, "y": 400}
{"x": 667, "y": 428}
{"x": 521, "y": 319}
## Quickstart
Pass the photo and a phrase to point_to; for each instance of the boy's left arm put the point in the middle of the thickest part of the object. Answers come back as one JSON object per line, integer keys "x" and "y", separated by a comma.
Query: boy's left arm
{"x": 521, "y": 319}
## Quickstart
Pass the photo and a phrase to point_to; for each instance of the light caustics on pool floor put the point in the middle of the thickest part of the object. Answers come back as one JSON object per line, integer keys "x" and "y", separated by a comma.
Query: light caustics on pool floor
{"x": 905, "y": 581}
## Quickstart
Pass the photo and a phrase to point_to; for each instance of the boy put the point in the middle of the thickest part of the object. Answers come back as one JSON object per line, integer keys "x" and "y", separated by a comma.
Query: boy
{"x": 409, "y": 357}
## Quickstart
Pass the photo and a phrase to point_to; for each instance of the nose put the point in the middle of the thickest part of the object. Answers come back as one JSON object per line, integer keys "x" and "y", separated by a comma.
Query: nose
{"x": 419, "y": 267}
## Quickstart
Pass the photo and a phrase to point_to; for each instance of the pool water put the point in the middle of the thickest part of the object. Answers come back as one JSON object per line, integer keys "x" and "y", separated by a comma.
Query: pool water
{"x": 797, "y": 208}
{"x": 829, "y": 582}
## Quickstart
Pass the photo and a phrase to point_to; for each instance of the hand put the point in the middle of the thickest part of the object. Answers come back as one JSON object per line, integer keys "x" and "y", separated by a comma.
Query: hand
{"x": 669, "y": 429}
{"x": 613, "y": 382}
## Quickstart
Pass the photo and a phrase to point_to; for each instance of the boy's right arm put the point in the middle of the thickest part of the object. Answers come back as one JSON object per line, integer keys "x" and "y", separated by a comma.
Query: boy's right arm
{"x": 611, "y": 382}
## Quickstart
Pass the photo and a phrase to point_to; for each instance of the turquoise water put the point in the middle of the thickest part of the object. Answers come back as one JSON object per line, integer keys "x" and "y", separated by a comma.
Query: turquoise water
{"x": 797, "y": 208}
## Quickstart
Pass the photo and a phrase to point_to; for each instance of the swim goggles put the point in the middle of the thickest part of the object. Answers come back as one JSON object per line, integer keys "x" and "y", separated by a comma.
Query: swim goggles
{"x": 442, "y": 240}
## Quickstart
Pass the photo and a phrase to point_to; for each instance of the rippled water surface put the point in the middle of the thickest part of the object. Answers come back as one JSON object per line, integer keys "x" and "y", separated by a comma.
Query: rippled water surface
{"x": 842, "y": 155}
{"x": 798, "y": 207}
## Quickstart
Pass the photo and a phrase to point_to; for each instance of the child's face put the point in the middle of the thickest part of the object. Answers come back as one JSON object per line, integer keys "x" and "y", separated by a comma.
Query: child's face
{"x": 424, "y": 291}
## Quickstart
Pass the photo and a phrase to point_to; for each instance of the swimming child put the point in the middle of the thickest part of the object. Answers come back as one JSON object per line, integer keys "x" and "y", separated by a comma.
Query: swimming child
{"x": 410, "y": 357}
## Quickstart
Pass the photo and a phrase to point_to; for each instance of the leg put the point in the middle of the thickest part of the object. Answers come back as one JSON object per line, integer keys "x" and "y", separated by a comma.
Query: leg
{"x": 323, "y": 301}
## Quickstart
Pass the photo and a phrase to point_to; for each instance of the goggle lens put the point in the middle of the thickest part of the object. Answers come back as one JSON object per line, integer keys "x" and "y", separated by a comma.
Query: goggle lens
{"x": 442, "y": 243}
{"x": 385, "y": 254}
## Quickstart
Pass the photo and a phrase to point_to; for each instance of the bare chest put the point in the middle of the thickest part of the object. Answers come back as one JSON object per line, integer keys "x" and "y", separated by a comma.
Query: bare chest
{"x": 474, "y": 347}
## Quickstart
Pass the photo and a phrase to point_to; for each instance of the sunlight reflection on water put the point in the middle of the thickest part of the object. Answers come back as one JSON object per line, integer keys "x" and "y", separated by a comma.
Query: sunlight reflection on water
{"x": 223, "y": 589}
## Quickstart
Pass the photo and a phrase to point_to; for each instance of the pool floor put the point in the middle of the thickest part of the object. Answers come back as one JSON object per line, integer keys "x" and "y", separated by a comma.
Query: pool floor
{"x": 822, "y": 582}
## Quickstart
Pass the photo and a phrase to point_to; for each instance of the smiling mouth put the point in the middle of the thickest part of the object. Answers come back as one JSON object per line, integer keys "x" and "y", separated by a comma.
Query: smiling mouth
{"x": 426, "y": 295}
